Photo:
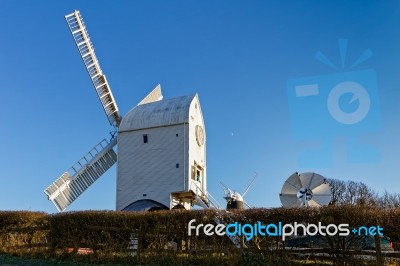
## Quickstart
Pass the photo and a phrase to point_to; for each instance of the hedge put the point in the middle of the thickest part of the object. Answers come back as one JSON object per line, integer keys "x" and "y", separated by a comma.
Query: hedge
{"x": 108, "y": 233}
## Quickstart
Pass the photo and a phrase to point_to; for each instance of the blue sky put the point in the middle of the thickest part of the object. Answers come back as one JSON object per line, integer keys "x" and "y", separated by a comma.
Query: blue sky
{"x": 238, "y": 56}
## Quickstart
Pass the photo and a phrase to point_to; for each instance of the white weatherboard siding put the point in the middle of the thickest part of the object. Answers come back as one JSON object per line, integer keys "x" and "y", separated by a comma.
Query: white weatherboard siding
{"x": 196, "y": 153}
{"x": 149, "y": 170}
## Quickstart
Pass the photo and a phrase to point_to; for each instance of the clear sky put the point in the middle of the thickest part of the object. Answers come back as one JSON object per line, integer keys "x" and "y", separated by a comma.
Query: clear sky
{"x": 243, "y": 58}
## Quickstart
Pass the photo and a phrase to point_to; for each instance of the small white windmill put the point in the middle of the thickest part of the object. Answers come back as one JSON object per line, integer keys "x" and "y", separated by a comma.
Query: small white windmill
{"x": 161, "y": 146}
{"x": 234, "y": 199}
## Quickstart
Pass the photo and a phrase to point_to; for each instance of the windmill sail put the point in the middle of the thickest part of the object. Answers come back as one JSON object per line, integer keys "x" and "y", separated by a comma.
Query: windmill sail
{"x": 82, "y": 175}
{"x": 86, "y": 50}
{"x": 249, "y": 185}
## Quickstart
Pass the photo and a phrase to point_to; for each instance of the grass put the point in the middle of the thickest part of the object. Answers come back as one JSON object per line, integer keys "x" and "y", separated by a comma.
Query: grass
{"x": 6, "y": 259}
{"x": 161, "y": 259}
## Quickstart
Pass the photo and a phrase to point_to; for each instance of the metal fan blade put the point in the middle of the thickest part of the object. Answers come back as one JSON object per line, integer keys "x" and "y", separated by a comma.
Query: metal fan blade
{"x": 305, "y": 179}
{"x": 322, "y": 200}
{"x": 311, "y": 180}
{"x": 292, "y": 185}
{"x": 290, "y": 200}
{"x": 313, "y": 203}
{"x": 322, "y": 189}
{"x": 322, "y": 194}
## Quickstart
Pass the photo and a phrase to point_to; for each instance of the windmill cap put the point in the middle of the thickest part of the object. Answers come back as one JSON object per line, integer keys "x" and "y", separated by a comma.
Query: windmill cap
{"x": 156, "y": 114}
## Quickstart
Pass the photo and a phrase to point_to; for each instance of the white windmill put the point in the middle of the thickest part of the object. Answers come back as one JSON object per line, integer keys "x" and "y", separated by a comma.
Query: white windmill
{"x": 306, "y": 189}
{"x": 161, "y": 146}
{"x": 234, "y": 199}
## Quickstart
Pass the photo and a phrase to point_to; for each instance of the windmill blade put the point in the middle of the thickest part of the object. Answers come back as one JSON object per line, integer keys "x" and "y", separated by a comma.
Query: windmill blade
{"x": 322, "y": 189}
{"x": 313, "y": 203}
{"x": 322, "y": 194}
{"x": 292, "y": 185}
{"x": 290, "y": 200}
{"x": 82, "y": 175}
{"x": 86, "y": 50}
{"x": 222, "y": 186}
{"x": 322, "y": 200}
{"x": 227, "y": 191}
{"x": 248, "y": 205}
{"x": 225, "y": 188}
{"x": 311, "y": 180}
{"x": 249, "y": 185}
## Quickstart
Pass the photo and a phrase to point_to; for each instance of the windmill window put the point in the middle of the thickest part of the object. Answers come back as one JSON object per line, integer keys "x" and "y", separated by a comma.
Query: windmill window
{"x": 145, "y": 138}
{"x": 177, "y": 165}
{"x": 198, "y": 175}
{"x": 177, "y": 134}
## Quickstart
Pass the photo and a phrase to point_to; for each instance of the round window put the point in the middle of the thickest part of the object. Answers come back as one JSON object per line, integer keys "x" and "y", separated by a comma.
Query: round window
{"x": 199, "y": 135}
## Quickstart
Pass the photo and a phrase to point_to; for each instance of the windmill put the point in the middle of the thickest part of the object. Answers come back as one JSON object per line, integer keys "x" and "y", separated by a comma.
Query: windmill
{"x": 306, "y": 189}
{"x": 234, "y": 199}
{"x": 161, "y": 146}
